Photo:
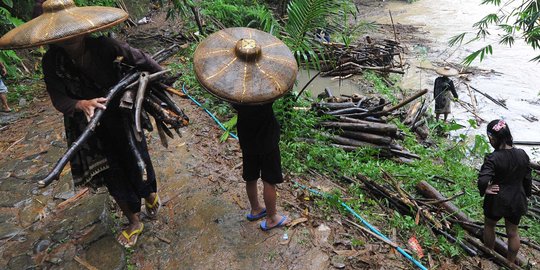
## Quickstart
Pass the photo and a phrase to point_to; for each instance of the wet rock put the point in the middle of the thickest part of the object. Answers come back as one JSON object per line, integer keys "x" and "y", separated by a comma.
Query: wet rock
{"x": 4, "y": 175}
{"x": 59, "y": 144}
{"x": 62, "y": 253}
{"x": 322, "y": 234}
{"x": 12, "y": 184}
{"x": 10, "y": 199}
{"x": 41, "y": 246}
{"x": 316, "y": 259}
{"x": 21, "y": 262}
{"x": 8, "y": 230}
{"x": 338, "y": 262}
{"x": 34, "y": 156}
{"x": 107, "y": 252}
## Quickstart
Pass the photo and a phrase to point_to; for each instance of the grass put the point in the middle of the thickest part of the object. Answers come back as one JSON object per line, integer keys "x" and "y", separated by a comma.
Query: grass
{"x": 456, "y": 159}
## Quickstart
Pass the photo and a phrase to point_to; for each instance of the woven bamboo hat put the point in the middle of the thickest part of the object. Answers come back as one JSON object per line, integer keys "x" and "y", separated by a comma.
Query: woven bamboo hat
{"x": 245, "y": 66}
{"x": 61, "y": 20}
{"x": 447, "y": 71}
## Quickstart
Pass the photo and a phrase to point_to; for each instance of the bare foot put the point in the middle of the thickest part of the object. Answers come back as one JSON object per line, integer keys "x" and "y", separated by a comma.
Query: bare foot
{"x": 256, "y": 211}
{"x": 128, "y": 237}
{"x": 274, "y": 222}
{"x": 153, "y": 205}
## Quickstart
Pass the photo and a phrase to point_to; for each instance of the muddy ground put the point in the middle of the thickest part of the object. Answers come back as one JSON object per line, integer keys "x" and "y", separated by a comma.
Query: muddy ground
{"x": 201, "y": 225}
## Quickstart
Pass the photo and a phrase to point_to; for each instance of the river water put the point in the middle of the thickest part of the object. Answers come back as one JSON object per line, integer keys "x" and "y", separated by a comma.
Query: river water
{"x": 516, "y": 83}
{"x": 515, "y": 77}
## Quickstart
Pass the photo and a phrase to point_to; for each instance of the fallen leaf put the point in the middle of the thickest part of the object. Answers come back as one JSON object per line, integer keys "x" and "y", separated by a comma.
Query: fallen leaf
{"x": 298, "y": 221}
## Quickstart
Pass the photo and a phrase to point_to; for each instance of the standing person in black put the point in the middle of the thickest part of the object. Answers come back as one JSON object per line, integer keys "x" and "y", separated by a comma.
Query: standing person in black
{"x": 442, "y": 89}
{"x": 505, "y": 181}
{"x": 258, "y": 132}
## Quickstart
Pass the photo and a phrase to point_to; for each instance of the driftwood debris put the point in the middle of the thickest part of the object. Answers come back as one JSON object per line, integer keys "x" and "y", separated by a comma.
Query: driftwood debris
{"x": 359, "y": 121}
{"x": 379, "y": 56}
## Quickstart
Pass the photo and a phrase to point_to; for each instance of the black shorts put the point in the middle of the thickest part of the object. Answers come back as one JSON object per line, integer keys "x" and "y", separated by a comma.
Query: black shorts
{"x": 264, "y": 166}
{"x": 512, "y": 219}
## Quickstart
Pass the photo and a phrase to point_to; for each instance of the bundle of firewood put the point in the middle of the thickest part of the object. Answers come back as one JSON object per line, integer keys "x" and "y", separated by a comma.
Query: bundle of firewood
{"x": 359, "y": 121}
{"x": 344, "y": 61}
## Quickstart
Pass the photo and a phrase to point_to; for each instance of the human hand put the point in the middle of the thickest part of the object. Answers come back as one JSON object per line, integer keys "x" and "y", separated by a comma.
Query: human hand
{"x": 492, "y": 189}
{"x": 89, "y": 106}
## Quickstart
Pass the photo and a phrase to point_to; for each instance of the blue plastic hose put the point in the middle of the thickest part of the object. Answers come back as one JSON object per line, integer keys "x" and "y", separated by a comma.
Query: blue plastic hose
{"x": 208, "y": 112}
{"x": 367, "y": 224}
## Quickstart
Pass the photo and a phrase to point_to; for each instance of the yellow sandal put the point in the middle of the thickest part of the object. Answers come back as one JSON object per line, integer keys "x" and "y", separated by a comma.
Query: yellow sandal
{"x": 155, "y": 206}
{"x": 131, "y": 237}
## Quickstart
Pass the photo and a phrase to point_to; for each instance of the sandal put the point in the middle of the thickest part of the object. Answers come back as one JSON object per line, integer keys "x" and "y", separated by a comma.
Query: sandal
{"x": 258, "y": 216}
{"x": 281, "y": 223}
{"x": 131, "y": 237}
{"x": 153, "y": 209}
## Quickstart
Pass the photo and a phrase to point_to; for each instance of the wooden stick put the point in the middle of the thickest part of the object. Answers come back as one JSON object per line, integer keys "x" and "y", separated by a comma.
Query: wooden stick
{"x": 84, "y": 263}
{"x": 497, "y": 257}
{"x": 392, "y": 244}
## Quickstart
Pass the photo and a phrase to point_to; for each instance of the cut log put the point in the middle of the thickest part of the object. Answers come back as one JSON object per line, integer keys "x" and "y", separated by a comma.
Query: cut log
{"x": 347, "y": 111}
{"x": 335, "y": 106}
{"x": 350, "y": 142}
{"x": 405, "y": 154}
{"x": 430, "y": 192}
{"x": 367, "y": 137}
{"x": 378, "y": 128}
{"x": 497, "y": 257}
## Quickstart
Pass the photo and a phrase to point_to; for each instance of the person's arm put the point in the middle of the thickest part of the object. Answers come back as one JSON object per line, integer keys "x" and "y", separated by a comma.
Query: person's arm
{"x": 486, "y": 174}
{"x": 435, "y": 87}
{"x": 527, "y": 182}
{"x": 132, "y": 56}
{"x": 4, "y": 70}
{"x": 453, "y": 89}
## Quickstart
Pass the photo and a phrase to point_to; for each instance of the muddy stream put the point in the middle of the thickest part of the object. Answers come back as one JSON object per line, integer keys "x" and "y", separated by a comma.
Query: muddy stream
{"x": 509, "y": 76}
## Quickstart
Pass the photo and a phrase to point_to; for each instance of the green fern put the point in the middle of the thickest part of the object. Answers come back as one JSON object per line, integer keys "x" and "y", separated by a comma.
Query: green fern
{"x": 304, "y": 17}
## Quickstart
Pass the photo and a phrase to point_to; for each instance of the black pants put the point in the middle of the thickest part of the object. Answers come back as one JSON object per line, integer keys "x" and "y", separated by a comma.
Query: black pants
{"x": 123, "y": 178}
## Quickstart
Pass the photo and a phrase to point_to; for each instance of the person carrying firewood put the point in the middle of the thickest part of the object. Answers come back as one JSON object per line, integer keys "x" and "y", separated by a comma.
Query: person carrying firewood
{"x": 505, "y": 181}
{"x": 78, "y": 70}
{"x": 442, "y": 89}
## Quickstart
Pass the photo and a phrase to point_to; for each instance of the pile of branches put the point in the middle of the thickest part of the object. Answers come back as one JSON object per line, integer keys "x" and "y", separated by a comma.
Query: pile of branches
{"x": 440, "y": 215}
{"x": 345, "y": 61}
{"x": 362, "y": 122}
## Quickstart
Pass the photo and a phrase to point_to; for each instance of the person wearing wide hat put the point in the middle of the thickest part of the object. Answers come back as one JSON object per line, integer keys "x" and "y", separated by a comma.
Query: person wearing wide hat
{"x": 78, "y": 70}
{"x": 250, "y": 69}
{"x": 442, "y": 89}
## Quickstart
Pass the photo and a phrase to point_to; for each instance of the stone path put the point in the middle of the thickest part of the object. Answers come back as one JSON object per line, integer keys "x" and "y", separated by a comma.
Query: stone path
{"x": 201, "y": 226}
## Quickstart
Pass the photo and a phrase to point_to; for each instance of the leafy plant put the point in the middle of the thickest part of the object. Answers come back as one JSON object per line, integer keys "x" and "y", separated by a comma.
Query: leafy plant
{"x": 517, "y": 19}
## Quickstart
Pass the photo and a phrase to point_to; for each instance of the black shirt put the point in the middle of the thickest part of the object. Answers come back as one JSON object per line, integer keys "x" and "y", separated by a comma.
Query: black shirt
{"x": 258, "y": 129}
{"x": 508, "y": 168}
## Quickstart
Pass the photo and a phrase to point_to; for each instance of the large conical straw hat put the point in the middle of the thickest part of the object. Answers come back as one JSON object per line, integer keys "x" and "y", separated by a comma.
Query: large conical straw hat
{"x": 61, "y": 20}
{"x": 447, "y": 71}
{"x": 245, "y": 66}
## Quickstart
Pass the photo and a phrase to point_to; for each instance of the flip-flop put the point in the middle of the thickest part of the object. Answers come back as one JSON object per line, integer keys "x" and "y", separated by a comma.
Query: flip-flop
{"x": 155, "y": 205}
{"x": 6, "y": 111}
{"x": 132, "y": 237}
{"x": 279, "y": 224}
{"x": 258, "y": 216}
